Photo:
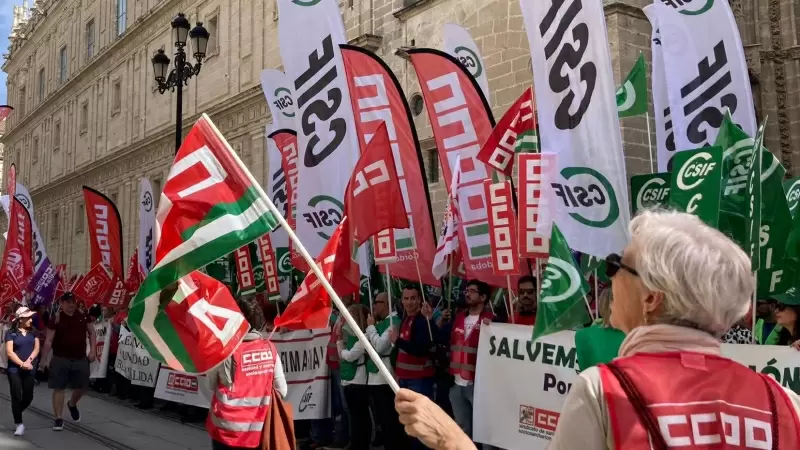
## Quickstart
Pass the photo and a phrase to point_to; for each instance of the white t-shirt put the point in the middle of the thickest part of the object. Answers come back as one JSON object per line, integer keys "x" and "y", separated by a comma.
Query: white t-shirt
{"x": 469, "y": 324}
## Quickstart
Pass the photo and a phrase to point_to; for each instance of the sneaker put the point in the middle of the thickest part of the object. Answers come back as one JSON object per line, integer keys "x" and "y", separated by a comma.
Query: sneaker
{"x": 73, "y": 411}
{"x": 20, "y": 430}
{"x": 58, "y": 424}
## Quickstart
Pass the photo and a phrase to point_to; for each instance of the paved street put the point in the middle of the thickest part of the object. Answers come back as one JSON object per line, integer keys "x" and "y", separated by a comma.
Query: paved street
{"x": 104, "y": 425}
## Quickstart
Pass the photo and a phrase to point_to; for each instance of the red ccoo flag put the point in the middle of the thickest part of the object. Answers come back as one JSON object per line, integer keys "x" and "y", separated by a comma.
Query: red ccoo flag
{"x": 105, "y": 231}
{"x": 516, "y": 130}
{"x": 17, "y": 264}
{"x": 374, "y": 201}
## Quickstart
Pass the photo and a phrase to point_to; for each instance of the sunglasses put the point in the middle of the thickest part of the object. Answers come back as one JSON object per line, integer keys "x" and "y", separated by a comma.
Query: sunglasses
{"x": 614, "y": 264}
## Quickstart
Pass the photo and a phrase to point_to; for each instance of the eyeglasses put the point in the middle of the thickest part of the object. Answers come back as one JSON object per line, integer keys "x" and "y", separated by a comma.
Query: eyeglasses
{"x": 614, "y": 264}
{"x": 471, "y": 291}
{"x": 527, "y": 291}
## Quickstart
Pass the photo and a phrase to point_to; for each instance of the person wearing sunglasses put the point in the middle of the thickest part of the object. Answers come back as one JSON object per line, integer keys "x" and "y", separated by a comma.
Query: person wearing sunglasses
{"x": 677, "y": 287}
{"x": 787, "y": 312}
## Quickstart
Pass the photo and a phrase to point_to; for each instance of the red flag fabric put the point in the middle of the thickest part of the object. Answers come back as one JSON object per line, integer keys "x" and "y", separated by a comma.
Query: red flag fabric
{"x": 377, "y": 97}
{"x": 269, "y": 261}
{"x": 310, "y": 307}
{"x": 61, "y": 286}
{"x": 502, "y": 228}
{"x": 11, "y": 182}
{"x": 5, "y": 111}
{"x": 17, "y": 256}
{"x": 95, "y": 286}
{"x": 105, "y": 231}
{"x": 286, "y": 141}
{"x": 499, "y": 149}
{"x": 133, "y": 279}
{"x": 244, "y": 270}
{"x": 373, "y": 199}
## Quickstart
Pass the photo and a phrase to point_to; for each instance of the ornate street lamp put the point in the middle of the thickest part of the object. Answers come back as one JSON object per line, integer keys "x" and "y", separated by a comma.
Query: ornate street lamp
{"x": 169, "y": 80}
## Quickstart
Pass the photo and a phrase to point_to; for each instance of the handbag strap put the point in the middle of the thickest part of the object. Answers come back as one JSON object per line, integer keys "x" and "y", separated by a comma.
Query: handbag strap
{"x": 640, "y": 406}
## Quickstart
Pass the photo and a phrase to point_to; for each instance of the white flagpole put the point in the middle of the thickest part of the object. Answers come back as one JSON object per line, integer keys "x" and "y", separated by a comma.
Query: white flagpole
{"x": 422, "y": 290}
{"x": 755, "y": 300}
{"x": 510, "y": 300}
{"x": 650, "y": 142}
{"x": 313, "y": 266}
{"x": 596, "y": 297}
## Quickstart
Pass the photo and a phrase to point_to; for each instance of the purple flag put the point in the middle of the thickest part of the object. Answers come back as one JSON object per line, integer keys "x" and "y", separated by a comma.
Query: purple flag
{"x": 43, "y": 285}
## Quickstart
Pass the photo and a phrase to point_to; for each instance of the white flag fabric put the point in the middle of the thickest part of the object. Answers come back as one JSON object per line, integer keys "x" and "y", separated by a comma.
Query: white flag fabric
{"x": 665, "y": 137}
{"x": 22, "y": 194}
{"x": 448, "y": 236}
{"x": 278, "y": 92}
{"x": 575, "y": 96}
{"x": 459, "y": 44}
{"x": 276, "y": 190}
{"x": 703, "y": 55}
{"x": 147, "y": 225}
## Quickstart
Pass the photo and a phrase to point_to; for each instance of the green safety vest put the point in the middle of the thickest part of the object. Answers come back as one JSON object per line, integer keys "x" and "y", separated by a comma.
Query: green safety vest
{"x": 380, "y": 327}
{"x": 348, "y": 369}
{"x": 773, "y": 337}
{"x": 597, "y": 345}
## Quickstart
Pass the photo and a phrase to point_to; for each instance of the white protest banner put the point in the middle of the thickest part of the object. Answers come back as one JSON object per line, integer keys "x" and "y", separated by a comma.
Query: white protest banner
{"x": 521, "y": 387}
{"x": 147, "y": 225}
{"x": 181, "y": 387}
{"x": 100, "y": 365}
{"x": 578, "y": 120}
{"x": 459, "y": 44}
{"x": 4, "y": 327}
{"x": 133, "y": 361}
{"x": 303, "y": 360}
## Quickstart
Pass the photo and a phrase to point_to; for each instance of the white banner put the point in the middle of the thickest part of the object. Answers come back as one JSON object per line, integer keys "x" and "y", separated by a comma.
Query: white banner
{"x": 147, "y": 225}
{"x": 520, "y": 387}
{"x": 459, "y": 44}
{"x": 578, "y": 120}
{"x": 185, "y": 388}
{"x": 133, "y": 361}
{"x": 277, "y": 90}
{"x": 99, "y": 367}
{"x": 39, "y": 253}
{"x": 665, "y": 138}
{"x": 310, "y": 33}
{"x": 303, "y": 361}
{"x": 704, "y": 57}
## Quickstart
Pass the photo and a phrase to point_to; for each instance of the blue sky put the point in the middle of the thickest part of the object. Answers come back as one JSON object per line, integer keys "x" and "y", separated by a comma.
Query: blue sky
{"x": 6, "y": 19}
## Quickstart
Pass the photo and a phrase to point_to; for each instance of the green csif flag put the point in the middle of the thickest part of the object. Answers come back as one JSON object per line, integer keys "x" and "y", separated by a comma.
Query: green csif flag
{"x": 792, "y": 189}
{"x": 752, "y": 241}
{"x": 632, "y": 95}
{"x": 649, "y": 191}
{"x": 561, "y": 301}
{"x": 695, "y": 184}
{"x": 592, "y": 264}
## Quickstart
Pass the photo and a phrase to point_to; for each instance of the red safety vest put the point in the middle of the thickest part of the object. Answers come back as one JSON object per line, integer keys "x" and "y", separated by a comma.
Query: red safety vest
{"x": 332, "y": 352}
{"x": 529, "y": 319}
{"x": 408, "y": 366}
{"x": 237, "y": 414}
{"x": 464, "y": 349}
{"x": 699, "y": 402}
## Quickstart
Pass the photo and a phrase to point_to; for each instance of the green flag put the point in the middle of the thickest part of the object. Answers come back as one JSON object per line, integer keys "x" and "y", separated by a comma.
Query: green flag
{"x": 792, "y": 189}
{"x": 632, "y": 95}
{"x": 649, "y": 191}
{"x": 561, "y": 300}
{"x": 590, "y": 264}
{"x": 752, "y": 242}
{"x": 527, "y": 142}
{"x": 695, "y": 184}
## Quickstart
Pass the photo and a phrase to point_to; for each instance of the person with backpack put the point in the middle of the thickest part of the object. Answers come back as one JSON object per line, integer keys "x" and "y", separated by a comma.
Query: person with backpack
{"x": 22, "y": 349}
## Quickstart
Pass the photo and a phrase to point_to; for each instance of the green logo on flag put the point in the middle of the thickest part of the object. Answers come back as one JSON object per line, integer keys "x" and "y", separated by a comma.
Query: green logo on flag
{"x": 752, "y": 243}
{"x": 591, "y": 194}
{"x": 696, "y": 179}
{"x": 283, "y": 101}
{"x": 284, "y": 261}
{"x": 649, "y": 190}
{"x": 470, "y": 60}
{"x": 325, "y": 213}
{"x": 632, "y": 95}
{"x": 709, "y": 4}
{"x": 562, "y": 305}
{"x": 306, "y": 2}
{"x": 792, "y": 188}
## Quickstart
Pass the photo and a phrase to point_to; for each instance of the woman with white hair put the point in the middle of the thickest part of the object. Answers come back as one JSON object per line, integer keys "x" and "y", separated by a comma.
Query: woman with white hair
{"x": 677, "y": 287}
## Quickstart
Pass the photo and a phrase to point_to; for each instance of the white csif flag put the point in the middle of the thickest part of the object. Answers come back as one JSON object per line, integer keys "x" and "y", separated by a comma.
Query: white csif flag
{"x": 24, "y": 197}
{"x": 459, "y": 44}
{"x": 702, "y": 52}
{"x": 310, "y": 32}
{"x": 578, "y": 120}
{"x": 147, "y": 225}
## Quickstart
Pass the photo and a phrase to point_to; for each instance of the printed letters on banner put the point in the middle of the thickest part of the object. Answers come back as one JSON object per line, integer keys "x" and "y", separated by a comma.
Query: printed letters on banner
{"x": 147, "y": 225}
{"x": 707, "y": 73}
{"x": 286, "y": 142}
{"x": 577, "y": 112}
{"x": 377, "y": 97}
{"x": 328, "y": 147}
{"x": 244, "y": 270}
{"x": 133, "y": 361}
{"x": 39, "y": 254}
{"x": 534, "y": 208}
{"x": 502, "y": 227}
{"x": 277, "y": 190}
{"x": 515, "y": 133}
{"x": 184, "y": 388}
{"x": 277, "y": 90}
{"x": 100, "y": 365}
{"x": 459, "y": 44}
{"x": 453, "y": 97}
{"x": 269, "y": 262}
{"x": 650, "y": 191}
{"x": 17, "y": 267}
{"x": 105, "y": 231}
{"x": 303, "y": 360}
{"x": 696, "y": 183}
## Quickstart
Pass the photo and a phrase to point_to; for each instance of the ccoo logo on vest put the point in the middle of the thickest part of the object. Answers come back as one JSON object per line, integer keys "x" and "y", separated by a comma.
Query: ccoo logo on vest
{"x": 560, "y": 277}
{"x": 470, "y": 60}
{"x": 324, "y": 214}
{"x": 588, "y": 196}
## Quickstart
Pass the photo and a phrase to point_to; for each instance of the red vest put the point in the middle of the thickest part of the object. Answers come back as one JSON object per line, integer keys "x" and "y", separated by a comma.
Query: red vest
{"x": 237, "y": 414}
{"x": 408, "y": 366}
{"x": 699, "y": 402}
{"x": 464, "y": 349}
{"x": 529, "y": 319}
{"x": 332, "y": 353}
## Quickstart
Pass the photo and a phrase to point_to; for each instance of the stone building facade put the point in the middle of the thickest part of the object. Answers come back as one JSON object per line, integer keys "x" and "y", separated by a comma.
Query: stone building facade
{"x": 88, "y": 112}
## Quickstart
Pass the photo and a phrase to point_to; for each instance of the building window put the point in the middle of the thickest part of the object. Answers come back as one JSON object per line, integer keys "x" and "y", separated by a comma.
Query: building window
{"x": 213, "y": 41}
{"x": 79, "y": 216}
{"x": 122, "y": 16}
{"x": 41, "y": 84}
{"x": 62, "y": 65}
{"x": 84, "y": 117}
{"x": 54, "y": 226}
{"x": 57, "y": 135}
{"x": 21, "y": 103}
{"x": 113, "y": 198}
{"x": 35, "y": 151}
{"x": 116, "y": 97}
{"x": 433, "y": 166}
{"x": 156, "y": 190}
{"x": 417, "y": 104}
{"x": 90, "y": 40}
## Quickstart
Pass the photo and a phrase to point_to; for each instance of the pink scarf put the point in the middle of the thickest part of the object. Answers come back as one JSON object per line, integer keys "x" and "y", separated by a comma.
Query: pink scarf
{"x": 668, "y": 338}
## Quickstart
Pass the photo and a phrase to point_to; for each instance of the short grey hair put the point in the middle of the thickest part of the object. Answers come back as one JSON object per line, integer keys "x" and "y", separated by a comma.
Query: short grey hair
{"x": 704, "y": 275}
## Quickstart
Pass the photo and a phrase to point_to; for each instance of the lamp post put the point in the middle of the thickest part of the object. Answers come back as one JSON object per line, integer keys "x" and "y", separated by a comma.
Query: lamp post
{"x": 183, "y": 69}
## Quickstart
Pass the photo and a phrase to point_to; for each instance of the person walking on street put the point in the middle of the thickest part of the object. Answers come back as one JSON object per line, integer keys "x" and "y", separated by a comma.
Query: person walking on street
{"x": 243, "y": 387}
{"x": 22, "y": 348}
{"x": 69, "y": 366}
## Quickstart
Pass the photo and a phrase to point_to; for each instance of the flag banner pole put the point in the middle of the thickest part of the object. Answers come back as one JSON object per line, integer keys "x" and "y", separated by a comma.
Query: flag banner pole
{"x": 510, "y": 300}
{"x": 450, "y": 287}
{"x": 596, "y": 297}
{"x": 389, "y": 289}
{"x": 755, "y": 301}
{"x": 369, "y": 293}
{"x": 589, "y": 307}
{"x": 650, "y": 142}
{"x": 313, "y": 266}
{"x": 538, "y": 278}
{"x": 422, "y": 290}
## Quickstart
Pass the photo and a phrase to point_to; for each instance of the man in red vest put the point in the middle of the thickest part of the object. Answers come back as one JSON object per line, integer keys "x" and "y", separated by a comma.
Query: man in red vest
{"x": 525, "y": 313}
{"x": 414, "y": 340}
{"x": 464, "y": 351}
